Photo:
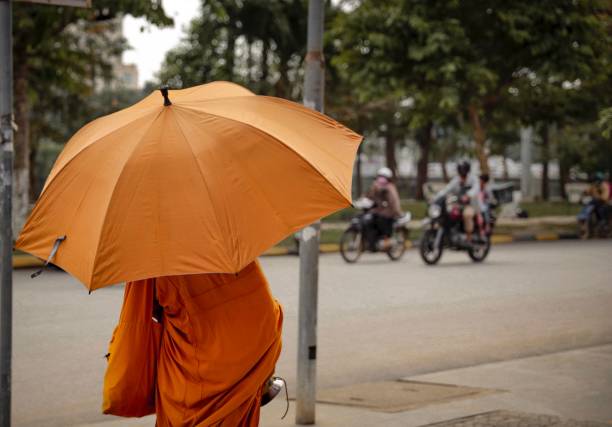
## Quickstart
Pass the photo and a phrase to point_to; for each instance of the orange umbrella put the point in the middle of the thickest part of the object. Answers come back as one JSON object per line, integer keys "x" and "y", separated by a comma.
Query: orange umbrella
{"x": 201, "y": 181}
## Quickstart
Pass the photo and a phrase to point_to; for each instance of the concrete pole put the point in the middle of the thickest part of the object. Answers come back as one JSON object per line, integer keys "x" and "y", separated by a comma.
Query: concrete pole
{"x": 6, "y": 233}
{"x": 526, "y": 160}
{"x": 309, "y": 246}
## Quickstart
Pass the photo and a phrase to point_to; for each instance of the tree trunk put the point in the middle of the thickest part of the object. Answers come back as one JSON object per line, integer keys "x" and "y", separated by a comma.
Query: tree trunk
{"x": 390, "y": 157}
{"x": 505, "y": 167}
{"x": 230, "y": 55}
{"x": 33, "y": 176}
{"x": 479, "y": 138}
{"x": 424, "y": 143}
{"x": 545, "y": 161}
{"x": 21, "y": 173}
{"x": 264, "y": 63}
{"x": 563, "y": 174}
{"x": 282, "y": 86}
{"x": 444, "y": 152}
{"x": 445, "y": 176}
{"x": 249, "y": 61}
{"x": 358, "y": 177}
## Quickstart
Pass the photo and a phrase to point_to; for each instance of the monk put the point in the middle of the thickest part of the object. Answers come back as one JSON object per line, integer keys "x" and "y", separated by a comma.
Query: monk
{"x": 219, "y": 338}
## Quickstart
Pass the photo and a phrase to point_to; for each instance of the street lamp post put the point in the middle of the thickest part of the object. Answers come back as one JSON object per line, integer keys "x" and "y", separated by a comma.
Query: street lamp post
{"x": 314, "y": 83}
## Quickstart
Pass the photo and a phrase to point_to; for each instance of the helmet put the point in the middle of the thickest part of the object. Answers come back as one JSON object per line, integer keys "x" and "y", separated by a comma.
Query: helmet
{"x": 385, "y": 172}
{"x": 484, "y": 177}
{"x": 463, "y": 168}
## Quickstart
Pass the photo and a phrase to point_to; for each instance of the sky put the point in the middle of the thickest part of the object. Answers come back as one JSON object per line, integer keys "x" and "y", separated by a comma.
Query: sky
{"x": 150, "y": 46}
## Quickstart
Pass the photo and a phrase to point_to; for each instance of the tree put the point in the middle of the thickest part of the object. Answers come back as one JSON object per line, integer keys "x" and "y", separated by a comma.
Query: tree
{"x": 469, "y": 55}
{"x": 400, "y": 50}
{"x": 259, "y": 44}
{"x": 59, "y": 54}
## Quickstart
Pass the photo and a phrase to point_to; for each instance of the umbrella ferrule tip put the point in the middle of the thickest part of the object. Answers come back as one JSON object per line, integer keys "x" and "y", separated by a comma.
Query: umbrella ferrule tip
{"x": 164, "y": 92}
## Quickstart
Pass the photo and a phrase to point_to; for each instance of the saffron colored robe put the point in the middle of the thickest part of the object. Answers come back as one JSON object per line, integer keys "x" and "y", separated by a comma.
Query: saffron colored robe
{"x": 220, "y": 340}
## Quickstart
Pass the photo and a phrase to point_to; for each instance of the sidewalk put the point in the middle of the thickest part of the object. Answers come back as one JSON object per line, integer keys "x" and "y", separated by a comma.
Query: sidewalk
{"x": 549, "y": 390}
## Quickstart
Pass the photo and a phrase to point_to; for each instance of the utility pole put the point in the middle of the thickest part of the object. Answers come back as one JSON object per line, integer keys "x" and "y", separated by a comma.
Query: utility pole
{"x": 526, "y": 159}
{"x": 6, "y": 194}
{"x": 314, "y": 89}
{"x": 6, "y": 230}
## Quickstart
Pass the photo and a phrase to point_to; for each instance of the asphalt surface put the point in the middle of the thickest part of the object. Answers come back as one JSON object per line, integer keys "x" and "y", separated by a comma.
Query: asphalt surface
{"x": 378, "y": 320}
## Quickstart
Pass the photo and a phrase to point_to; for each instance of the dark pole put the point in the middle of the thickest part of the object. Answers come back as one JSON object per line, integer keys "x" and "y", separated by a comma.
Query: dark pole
{"x": 6, "y": 230}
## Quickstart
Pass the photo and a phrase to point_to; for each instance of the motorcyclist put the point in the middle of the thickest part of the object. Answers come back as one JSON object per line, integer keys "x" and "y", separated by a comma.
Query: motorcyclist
{"x": 485, "y": 200}
{"x": 460, "y": 187}
{"x": 600, "y": 193}
{"x": 383, "y": 193}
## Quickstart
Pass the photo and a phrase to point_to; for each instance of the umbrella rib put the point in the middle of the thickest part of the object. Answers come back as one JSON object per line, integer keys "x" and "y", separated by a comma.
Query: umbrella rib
{"x": 261, "y": 131}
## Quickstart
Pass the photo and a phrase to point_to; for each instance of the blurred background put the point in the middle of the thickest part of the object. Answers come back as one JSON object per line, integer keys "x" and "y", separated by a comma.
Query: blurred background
{"x": 426, "y": 83}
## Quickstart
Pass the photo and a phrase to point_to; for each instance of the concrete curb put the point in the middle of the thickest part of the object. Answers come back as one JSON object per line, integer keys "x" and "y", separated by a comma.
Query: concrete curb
{"x": 496, "y": 239}
{"x": 29, "y": 261}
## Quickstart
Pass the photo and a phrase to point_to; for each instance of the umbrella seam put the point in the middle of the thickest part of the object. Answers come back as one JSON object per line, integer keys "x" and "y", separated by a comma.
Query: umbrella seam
{"x": 47, "y": 184}
{"x": 195, "y": 159}
{"x": 297, "y": 107}
{"x": 110, "y": 201}
{"x": 350, "y": 202}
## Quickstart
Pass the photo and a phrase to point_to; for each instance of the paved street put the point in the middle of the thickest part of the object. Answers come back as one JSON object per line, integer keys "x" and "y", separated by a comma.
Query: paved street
{"x": 377, "y": 320}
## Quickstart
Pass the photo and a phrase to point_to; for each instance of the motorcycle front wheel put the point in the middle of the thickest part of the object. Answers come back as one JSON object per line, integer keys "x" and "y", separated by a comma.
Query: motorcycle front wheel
{"x": 479, "y": 251}
{"x": 351, "y": 245}
{"x": 396, "y": 252}
{"x": 430, "y": 254}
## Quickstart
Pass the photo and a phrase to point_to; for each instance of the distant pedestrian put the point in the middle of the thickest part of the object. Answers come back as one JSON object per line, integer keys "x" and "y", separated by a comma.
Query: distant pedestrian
{"x": 600, "y": 192}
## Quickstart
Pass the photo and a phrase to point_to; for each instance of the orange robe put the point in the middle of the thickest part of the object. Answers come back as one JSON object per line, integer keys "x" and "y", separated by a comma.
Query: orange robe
{"x": 220, "y": 342}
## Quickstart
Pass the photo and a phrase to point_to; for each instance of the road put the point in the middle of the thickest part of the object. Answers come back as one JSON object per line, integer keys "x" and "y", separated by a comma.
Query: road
{"x": 377, "y": 320}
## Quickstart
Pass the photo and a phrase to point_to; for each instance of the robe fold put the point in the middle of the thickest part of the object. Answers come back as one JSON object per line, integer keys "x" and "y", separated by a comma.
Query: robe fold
{"x": 221, "y": 338}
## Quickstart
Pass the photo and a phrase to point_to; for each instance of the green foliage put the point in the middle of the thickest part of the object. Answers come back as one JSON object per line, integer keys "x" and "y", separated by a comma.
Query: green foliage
{"x": 605, "y": 123}
{"x": 583, "y": 149}
{"x": 259, "y": 44}
{"x": 60, "y": 54}
{"x": 449, "y": 55}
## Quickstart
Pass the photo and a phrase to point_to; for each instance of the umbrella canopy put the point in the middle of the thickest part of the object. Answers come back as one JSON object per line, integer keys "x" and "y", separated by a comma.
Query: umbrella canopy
{"x": 203, "y": 182}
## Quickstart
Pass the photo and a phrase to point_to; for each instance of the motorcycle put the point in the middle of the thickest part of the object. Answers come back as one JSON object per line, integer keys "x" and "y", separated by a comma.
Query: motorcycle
{"x": 589, "y": 224}
{"x": 443, "y": 228}
{"x": 361, "y": 235}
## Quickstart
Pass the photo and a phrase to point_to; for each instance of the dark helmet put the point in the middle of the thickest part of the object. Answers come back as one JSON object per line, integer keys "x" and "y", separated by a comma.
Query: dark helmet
{"x": 463, "y": 168}
{"x": 484, "y": 177}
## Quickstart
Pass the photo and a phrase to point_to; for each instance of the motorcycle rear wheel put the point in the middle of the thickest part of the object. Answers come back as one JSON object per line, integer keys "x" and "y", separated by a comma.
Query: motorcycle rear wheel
{"x": 351, "y": 245}
{"x": 429, "y": 254}
{"x": 396, "y": 252}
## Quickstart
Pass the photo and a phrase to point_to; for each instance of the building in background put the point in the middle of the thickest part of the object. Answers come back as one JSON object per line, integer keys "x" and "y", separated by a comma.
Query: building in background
{"x": 122, "y": 76}
{"x": 125, "y": 76}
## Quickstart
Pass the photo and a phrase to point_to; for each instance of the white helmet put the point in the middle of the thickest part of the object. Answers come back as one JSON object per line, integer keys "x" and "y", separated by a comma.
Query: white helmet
{"x": 385, "y": 172}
